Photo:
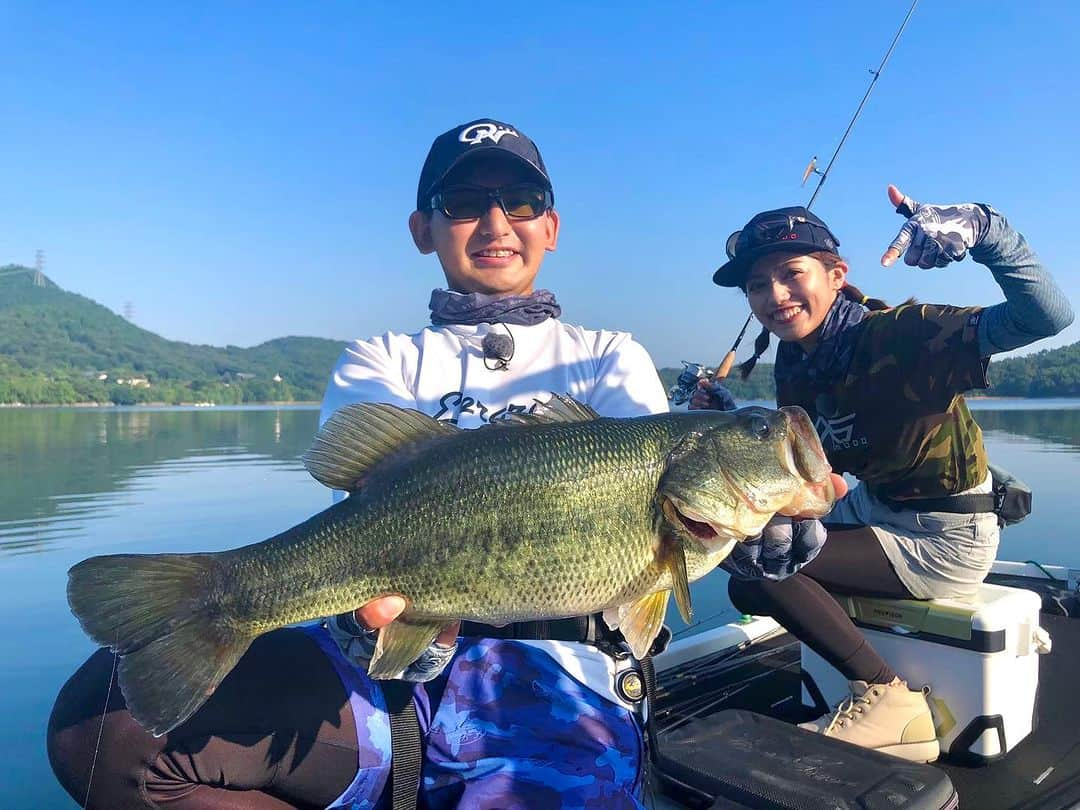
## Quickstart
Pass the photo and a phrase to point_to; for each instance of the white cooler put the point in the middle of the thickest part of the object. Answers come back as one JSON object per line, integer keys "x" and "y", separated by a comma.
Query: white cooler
{"x": 980, "y": 658}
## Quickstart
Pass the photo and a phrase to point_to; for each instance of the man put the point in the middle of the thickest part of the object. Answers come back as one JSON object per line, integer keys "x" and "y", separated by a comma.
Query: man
{"x": 526, "y": 716}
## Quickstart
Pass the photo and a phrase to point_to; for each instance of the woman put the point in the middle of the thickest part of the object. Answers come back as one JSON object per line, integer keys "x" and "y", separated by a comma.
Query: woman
{"x": 884, "y": 389}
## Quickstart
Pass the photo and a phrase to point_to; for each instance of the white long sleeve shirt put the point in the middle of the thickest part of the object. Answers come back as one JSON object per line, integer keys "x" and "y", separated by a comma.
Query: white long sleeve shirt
{"x": 441, "y": 371}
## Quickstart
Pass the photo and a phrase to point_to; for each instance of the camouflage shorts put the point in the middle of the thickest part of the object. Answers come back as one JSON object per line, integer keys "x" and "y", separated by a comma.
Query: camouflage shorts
{"x": 504, "y": 726}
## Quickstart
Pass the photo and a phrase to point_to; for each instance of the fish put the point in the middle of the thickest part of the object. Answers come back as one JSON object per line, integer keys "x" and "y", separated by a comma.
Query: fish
{"x": 548, "y": 514}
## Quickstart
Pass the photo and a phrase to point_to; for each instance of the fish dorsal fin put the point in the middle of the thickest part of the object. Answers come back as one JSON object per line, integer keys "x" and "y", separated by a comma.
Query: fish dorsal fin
{"x": 358, "y": 436}
{"x": 560, "y": 408}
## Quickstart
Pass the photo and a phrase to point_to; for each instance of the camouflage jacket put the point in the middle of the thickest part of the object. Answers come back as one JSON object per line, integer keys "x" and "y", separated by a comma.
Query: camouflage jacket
{"x": 897, "y": 419}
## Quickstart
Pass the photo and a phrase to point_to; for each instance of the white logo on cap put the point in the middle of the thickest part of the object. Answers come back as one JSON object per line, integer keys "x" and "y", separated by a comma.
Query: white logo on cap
{"x": 484, "y": 131}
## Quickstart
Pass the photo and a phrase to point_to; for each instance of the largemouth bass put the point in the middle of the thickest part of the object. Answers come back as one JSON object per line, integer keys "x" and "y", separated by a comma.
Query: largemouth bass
{"x": 559, "y": 513}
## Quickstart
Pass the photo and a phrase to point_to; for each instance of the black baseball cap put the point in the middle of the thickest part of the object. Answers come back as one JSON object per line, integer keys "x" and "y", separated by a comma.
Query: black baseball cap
{"x": 484, "y": 136}
{"x": 792, "y": 229}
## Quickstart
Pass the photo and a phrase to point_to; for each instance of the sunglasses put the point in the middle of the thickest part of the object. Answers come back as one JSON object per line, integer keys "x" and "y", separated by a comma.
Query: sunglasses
{"x": 521, "y": 201}
{"x": 779, "y": 230}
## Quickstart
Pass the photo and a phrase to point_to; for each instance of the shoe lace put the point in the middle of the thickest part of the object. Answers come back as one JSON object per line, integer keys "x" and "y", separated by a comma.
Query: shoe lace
{"x": 850, "y": 708}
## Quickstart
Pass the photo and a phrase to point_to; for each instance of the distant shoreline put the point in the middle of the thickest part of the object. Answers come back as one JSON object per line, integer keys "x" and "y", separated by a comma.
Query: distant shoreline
{"x": 315, "y": 403}
{"x": 155, "y": 405}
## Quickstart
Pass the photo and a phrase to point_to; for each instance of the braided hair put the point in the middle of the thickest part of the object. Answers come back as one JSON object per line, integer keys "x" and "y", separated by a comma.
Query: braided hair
{"x": 849, "y": 291}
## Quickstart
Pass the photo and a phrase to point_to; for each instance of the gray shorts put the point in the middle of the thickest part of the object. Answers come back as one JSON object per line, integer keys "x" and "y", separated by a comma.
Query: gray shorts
{"x": 935, "y": 554}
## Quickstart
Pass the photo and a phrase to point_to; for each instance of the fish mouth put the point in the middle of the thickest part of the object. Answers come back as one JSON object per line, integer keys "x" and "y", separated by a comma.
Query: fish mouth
{"x": 695, "y": 525}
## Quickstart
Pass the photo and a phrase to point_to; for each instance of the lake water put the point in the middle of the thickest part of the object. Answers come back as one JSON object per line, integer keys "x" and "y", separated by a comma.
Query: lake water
{"x": 81, "y": 482}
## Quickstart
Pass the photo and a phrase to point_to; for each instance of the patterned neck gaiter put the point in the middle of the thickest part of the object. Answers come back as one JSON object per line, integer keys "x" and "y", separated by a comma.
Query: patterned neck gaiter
{"x": 828, "y": 361}
{"x": 448, "y": 307}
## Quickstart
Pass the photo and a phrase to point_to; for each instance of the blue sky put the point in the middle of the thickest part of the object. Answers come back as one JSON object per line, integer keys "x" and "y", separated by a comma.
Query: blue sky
{"x": 244, "y": 171}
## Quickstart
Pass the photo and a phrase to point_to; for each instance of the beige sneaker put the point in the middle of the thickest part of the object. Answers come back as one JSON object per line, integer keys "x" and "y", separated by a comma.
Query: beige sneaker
{"x": 886, "y": 717}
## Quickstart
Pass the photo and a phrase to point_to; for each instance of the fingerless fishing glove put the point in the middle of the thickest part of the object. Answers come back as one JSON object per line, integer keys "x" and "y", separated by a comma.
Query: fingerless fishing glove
{"x": 935, "y": 235}
{"x": 783, "y": 547}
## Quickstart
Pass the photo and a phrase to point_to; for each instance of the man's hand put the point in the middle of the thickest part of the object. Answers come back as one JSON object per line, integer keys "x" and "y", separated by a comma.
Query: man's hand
{"x": 380, "y": 612}
{"x": 356, "y": 634}
{"x": 935, "y": 235}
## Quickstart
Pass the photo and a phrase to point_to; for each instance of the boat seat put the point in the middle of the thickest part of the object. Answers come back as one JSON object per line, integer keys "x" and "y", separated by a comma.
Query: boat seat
{"x": 980, "y": 658}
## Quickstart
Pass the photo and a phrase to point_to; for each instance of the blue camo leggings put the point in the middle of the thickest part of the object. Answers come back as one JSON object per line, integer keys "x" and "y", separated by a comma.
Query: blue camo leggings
{"x": 505, "y": 727}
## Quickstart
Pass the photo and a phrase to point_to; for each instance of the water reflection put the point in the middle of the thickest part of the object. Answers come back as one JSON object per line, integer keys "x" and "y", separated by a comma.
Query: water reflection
{"x": 1061, "y": 427}
{"x": 63, "y": 467}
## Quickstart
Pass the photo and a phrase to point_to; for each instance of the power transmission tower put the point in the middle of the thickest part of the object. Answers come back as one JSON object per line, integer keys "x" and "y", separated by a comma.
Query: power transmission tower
{"x": 129, "y": 311}
{"x": 39, "y": 268}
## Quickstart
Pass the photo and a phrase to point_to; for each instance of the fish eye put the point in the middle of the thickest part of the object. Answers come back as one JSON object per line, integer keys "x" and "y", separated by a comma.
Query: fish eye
{"x": 759, "y": 426}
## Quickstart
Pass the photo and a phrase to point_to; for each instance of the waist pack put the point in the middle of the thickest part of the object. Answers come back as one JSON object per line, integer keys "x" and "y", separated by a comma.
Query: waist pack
{"x": 1013, "y": 496}
{"x": 1009, "y": 499}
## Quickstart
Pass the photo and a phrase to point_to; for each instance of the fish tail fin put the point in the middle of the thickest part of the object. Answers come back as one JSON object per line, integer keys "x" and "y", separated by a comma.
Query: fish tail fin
{"x": 157, "y": 611}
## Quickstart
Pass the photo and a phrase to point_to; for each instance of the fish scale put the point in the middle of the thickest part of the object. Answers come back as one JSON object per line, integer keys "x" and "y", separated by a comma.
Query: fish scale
{"x": 572, "y": 515}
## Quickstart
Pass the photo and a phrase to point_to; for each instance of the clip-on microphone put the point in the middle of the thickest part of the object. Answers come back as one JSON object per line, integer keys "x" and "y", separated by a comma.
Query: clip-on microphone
{"x": 498, "y": 349}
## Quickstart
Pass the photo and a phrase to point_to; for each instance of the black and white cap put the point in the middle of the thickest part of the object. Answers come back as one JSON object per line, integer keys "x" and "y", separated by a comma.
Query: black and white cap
{"x": 484, "y": 136}
{"x": 793, "y": 229}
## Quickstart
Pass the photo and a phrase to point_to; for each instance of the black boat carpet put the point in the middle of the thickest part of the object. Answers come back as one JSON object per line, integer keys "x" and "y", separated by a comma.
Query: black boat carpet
{"x": 1041, "y": 773}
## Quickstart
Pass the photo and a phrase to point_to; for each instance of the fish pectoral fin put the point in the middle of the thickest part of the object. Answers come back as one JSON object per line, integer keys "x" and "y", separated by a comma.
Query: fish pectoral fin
{"x": 400, "y": 643}
{"x": 358, "y": 436}
{"x": 640, "y": 621}
{"x": 675, "y": 559}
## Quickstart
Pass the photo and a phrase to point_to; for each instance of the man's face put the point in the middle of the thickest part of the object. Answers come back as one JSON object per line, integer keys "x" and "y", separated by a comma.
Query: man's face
{"x": 492, "y": 254}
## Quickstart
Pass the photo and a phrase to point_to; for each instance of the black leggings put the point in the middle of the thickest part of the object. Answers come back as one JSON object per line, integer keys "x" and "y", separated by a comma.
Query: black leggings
{"x": 259, "y": 743}
{"x": 851, "y": 561}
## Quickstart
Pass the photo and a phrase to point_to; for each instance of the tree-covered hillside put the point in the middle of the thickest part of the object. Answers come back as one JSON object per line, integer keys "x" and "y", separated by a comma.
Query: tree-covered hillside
{"x": 58, "y": 347}
{"x": 1049, "y": 373}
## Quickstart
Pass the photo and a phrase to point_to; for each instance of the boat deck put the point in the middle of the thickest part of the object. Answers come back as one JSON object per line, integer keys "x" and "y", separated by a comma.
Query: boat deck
{"x": 1043, "y": 771}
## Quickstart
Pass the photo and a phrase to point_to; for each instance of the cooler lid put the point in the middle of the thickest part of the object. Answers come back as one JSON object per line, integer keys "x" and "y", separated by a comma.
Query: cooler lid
{"x": 943, "y": 621}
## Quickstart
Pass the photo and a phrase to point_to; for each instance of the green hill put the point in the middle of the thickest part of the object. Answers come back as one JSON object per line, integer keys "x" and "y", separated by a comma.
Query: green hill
{"x": 57, "y": 347}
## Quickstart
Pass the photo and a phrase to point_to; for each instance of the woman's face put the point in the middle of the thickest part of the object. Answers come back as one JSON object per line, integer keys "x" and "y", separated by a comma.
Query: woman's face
{"x": 791, "y": 293}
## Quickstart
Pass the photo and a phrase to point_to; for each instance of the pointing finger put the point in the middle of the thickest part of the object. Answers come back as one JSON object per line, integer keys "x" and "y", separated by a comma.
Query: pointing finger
{"x": 899, "y": 244}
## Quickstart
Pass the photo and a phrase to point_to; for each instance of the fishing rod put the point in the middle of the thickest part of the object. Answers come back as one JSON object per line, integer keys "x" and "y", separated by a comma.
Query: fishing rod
{"x": 687, "y": 381}
{"x": 812, "y": 167}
